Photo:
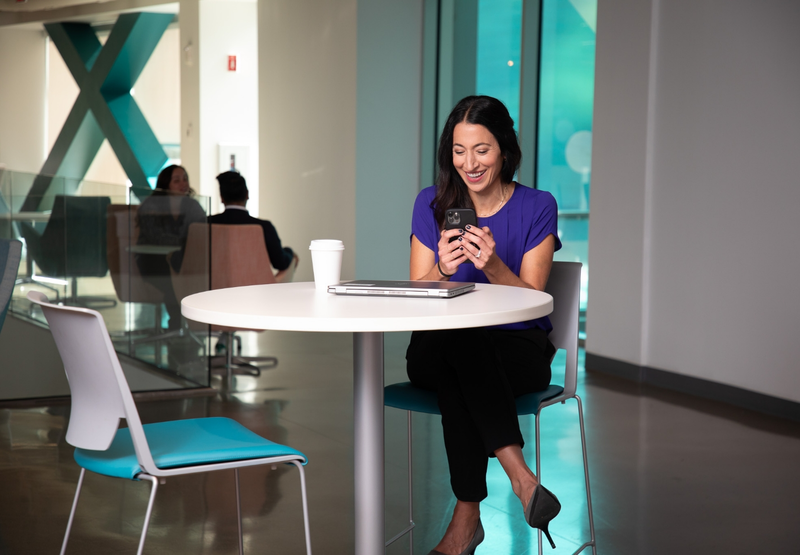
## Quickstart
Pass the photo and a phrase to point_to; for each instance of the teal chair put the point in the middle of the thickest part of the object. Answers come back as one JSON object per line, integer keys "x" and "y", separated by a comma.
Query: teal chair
{"x": 73, "y": 243}
{"x": 10, "y": 254}
{"x": 564, "y": 286}
{"x": 101, "y": 397}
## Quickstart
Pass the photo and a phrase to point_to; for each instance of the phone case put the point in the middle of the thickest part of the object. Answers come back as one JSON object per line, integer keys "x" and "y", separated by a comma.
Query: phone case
{"x": 457, "y": 218}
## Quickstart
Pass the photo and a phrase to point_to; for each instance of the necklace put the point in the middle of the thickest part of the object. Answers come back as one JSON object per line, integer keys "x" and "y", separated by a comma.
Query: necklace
{"x": 499, "y": 206}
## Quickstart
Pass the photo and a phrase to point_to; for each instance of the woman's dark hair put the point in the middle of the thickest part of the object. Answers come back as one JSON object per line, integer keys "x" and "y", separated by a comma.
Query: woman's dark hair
{"x": 451, "y": 191}
{"x": 165, "y": 176}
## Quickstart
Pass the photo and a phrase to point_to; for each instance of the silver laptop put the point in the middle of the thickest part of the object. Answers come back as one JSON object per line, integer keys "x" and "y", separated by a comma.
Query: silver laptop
{"x": 403, "y": 288}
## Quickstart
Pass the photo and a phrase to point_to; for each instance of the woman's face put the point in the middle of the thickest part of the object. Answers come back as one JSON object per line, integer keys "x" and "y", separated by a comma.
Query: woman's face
{"x": 477, "y": 157}
{"x": 179, "y": 183}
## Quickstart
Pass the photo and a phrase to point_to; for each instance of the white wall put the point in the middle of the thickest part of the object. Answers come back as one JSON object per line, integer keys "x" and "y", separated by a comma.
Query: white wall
{"x": 307, "y": 116}
{"x": 694, "y": 245}
{"x": 22, "y": 98}
{"x": 190, "y": 127}
{"x": 228, "y": 99}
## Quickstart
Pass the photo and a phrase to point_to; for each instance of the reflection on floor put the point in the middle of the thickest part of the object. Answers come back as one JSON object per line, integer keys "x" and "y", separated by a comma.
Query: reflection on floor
{"x": 670, "y": 474}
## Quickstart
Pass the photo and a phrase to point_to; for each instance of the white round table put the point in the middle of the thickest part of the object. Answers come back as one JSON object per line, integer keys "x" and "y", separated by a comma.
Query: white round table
{"x": 298, "y": 307}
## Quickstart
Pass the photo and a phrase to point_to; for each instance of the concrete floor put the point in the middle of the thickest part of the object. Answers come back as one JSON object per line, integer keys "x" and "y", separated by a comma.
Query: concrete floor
{"x": 670, "y": 473}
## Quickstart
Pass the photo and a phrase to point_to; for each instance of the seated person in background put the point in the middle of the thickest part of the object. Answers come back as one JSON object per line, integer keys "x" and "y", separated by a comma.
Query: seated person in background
{"x": 234, "y": 194}
{"x": 163, "y": 219}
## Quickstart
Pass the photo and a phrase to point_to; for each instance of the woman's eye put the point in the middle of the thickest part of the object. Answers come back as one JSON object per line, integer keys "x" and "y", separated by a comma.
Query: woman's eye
{"x": 482, "y": 152}
{"x": 457, "y": 153}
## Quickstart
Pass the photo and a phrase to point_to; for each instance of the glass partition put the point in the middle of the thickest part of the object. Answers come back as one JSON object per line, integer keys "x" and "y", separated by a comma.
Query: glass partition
{"x": 564, "y": 145}
{"x": 94, "y": 245}
{"x": 478, "y": 49}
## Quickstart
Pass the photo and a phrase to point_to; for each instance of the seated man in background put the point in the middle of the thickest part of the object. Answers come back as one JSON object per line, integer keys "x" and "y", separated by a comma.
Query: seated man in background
{"x": 234, "y": 194}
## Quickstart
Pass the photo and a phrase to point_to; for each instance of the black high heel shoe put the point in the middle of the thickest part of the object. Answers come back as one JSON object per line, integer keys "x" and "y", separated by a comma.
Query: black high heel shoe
{"x": 542, "y": 508}
{"x": 477, "y": 538}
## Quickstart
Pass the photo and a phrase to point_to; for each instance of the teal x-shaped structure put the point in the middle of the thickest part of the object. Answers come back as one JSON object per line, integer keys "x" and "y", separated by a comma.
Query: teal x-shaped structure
{"x": 105, "y": 108}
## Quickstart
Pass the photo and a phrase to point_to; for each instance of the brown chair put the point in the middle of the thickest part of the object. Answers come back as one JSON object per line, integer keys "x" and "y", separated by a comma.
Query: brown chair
{"x": 236, "y": 256}
{"x": 122, "y": 235}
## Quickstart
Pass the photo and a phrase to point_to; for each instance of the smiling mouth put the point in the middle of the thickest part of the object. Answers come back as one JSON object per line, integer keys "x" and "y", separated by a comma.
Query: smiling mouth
{"x": 474, "y": 176}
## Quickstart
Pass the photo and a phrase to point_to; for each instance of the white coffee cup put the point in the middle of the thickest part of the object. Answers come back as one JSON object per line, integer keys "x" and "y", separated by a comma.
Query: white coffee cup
{"x": 326, "y": 259}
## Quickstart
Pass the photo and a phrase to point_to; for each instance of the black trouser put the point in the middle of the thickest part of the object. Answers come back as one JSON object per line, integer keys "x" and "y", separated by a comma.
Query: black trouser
{"x": 477, "y": 373}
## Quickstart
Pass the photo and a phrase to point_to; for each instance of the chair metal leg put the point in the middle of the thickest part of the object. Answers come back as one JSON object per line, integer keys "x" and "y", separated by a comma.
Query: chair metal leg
{"x": 305, "y": 504}
{"x": 235, "y": 364}
{"x": 591, "y": 543}
{"x": 239, "y": 510}
{"x": 72, "y": 512}
{"x": 411, "y": 525}
{"x": 586, "y": 477}
{"x": 538, "y": 471}
{"x": 410, "y": 490}
{"x": 153, "y": 491}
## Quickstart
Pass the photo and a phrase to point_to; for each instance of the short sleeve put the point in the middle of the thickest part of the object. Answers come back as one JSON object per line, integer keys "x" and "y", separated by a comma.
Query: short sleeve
{"x": 544, "y": 220}
{"x": 423, "y": 222}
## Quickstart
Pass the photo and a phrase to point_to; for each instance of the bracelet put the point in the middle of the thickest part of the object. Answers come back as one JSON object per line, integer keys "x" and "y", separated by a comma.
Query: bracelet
{"x": 441, "y": 272}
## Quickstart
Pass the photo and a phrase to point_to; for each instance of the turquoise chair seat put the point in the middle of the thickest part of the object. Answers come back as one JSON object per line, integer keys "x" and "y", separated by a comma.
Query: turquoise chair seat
{"x": 182, "y": 443}
{"x": 405, "y": 396}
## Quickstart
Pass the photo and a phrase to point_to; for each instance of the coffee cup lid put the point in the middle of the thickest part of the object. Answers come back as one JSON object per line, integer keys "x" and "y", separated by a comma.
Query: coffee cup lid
{"x": 326, "y": 244}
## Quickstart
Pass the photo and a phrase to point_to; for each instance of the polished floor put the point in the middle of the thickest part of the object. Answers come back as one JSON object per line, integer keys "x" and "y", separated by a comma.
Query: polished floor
{"x": 670, "y": 473}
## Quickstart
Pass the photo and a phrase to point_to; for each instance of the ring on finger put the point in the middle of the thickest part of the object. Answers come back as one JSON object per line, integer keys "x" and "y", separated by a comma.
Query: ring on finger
{"x": 479, "y": 254}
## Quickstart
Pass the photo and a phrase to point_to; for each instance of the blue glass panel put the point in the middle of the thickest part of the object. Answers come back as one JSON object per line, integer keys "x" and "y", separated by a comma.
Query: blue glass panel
{"x": 566, "y": 96}
{"x": 499, "y": 46}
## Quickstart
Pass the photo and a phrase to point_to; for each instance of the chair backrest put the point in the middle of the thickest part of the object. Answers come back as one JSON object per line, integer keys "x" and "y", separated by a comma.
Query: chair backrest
{"x": 121, "y": 234}
{"x": 564, "y": 285}
{"x": 100, "y": 391}
{"x": 73, "y": 244}
{"x": 10, "y": 255}
{"x": 195, "y": 274}
{"x": 239, "y": 256}
{"x": 221, "y": 255}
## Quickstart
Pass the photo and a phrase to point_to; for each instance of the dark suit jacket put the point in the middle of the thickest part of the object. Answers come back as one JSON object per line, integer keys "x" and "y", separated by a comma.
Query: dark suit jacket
{"x": 279, "y": 256}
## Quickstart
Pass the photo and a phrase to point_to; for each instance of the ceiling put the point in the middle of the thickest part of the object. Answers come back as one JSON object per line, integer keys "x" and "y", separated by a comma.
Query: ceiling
{"x": 32, "y": 13}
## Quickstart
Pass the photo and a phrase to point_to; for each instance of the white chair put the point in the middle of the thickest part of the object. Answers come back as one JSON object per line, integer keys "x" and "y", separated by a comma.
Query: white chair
{"x": 564, "y": 286}
{"x": 101, "y": 397}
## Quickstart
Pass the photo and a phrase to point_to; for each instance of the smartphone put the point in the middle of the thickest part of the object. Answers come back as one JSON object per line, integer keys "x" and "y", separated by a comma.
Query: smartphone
{"x": 459, "y": 218}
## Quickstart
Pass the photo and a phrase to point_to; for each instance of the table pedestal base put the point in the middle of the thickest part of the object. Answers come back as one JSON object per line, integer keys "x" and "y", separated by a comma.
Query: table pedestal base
{"x": 369, "y": 449}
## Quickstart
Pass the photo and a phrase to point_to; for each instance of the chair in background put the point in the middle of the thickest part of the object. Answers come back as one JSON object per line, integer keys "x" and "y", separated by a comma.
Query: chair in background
{"x": 122, "y": 235}
{"x": 238, "y": 257}
{"x": 73, "y": 244}
{"x": 564, "y": 286}
{"x": 101, "y": 397}
{"x": 10, "y": 255}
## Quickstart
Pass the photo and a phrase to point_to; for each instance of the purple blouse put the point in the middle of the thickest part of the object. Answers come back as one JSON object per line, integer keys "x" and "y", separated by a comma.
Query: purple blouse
{"x": 529, "y": 216}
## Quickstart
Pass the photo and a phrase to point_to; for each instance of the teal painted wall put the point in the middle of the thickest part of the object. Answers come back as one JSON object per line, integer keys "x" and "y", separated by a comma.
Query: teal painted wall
{"x": 389, "y": 81}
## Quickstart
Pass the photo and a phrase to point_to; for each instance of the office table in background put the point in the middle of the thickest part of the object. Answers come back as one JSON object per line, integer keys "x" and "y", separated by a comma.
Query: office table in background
{"x": 299, "y": 307}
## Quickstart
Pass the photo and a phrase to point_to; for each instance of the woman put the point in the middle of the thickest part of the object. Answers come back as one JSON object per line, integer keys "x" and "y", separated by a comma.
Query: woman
{"x": 164, "y": 219}
{"x": 478, "y": 372}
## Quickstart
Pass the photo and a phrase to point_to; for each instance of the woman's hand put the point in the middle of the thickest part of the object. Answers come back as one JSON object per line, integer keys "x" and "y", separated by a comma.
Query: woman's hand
{"x": 478, "y": 246}
{"x": 451, "y": 255}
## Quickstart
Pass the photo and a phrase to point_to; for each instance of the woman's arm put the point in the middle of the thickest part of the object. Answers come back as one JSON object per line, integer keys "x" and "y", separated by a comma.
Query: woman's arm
{"x": 423, "y": 266}
{"x": 534, "y": 270}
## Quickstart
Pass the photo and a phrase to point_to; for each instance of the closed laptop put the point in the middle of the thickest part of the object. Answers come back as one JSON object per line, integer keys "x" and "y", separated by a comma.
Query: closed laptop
{"x": 402, "y": 288}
